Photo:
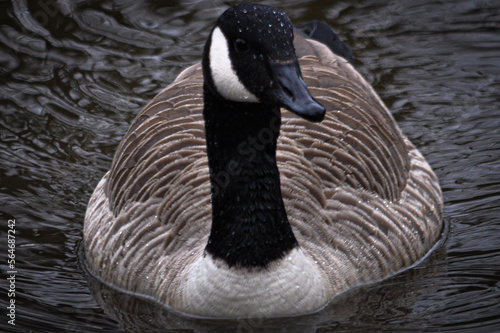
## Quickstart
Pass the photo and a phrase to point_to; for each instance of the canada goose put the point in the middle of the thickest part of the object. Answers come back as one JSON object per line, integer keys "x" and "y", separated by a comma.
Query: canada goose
{"x": 322, "y": 32}
{"x": 218, "y": 204}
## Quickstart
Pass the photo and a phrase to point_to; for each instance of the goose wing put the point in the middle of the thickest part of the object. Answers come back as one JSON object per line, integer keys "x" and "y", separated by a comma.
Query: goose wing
{"x": 152, "y": 211}
{"x": 361, "y": 198}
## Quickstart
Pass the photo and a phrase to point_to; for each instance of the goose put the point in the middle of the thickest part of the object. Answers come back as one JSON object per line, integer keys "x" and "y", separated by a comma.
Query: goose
{"x": 262, "y": 182}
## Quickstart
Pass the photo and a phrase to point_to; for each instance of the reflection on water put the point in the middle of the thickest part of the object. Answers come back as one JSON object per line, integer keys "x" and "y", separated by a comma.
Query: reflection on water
{"x": 367, "y": 308}
{"x": 74, "y": 74}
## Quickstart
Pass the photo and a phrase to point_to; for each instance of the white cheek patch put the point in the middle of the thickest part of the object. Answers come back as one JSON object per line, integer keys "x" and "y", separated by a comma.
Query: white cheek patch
{"x": 225, "y": 79}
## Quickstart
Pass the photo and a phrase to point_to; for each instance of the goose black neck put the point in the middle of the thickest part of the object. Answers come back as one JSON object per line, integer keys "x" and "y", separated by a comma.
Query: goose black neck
{"x": 249, "y": 223}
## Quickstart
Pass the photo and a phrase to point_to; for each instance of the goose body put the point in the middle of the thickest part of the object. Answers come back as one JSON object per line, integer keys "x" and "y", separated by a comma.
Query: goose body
{"x": 218, "y": 204}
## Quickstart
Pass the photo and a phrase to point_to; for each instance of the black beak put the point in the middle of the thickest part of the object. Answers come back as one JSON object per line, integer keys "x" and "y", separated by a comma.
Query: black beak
{"x": 290, "y": 90}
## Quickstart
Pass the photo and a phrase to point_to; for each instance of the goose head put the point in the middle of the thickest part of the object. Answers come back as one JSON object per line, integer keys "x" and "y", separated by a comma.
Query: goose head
{"x": 250, "y": 70}
{"x": 249, "y": 57}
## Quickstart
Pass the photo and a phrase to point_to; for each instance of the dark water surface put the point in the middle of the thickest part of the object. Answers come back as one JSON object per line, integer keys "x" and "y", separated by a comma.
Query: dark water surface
{"x": 73, "y": 74}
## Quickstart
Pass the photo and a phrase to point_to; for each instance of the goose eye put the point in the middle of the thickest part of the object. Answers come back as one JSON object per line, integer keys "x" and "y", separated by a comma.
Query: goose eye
{"x": 241, "y": 46}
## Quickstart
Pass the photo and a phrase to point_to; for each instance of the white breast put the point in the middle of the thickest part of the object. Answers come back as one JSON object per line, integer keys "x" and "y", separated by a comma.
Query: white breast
{"x": 292, "y": 285}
